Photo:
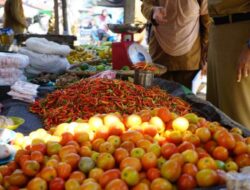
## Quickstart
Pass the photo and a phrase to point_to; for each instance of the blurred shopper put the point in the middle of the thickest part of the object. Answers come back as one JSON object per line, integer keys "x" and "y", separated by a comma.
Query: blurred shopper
{"x": 179, "y": 36}
{"x": 14, "y": 16}
{"x": 229, "y": 58}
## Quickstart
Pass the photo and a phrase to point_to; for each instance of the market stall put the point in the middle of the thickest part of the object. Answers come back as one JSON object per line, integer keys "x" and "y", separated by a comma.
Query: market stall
{"x": 85, "y": 128}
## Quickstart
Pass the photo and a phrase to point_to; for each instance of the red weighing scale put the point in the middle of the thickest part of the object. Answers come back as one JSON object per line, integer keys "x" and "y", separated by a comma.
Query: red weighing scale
{"x": 127, "y": 52}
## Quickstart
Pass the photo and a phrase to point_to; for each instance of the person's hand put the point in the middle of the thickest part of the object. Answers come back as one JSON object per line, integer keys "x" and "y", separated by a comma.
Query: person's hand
{"x": 243, "y": 69}
{"x": 203, "y": 62}
{"x": 159, "y": 14}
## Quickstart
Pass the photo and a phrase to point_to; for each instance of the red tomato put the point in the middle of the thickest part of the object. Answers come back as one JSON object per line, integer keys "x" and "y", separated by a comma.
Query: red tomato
{"x": 108, "y": 176}
{"x": 243, "y": 160}
{"x": 64, "y": 170}
{"x": 56, "y": 184}
{"x": 210, "y": 146}
{"x": 149, "y": 160}
{"x": 240, "y": 148}
{"x": 194, "y": 139}
{"x": 168, "y": 149}
{"x": 186, "y": 182}
{"x": 153, "y": 173}
{"x": 190, "y": 169}
{"x": 226, "y": 139}
{"x": 185, "y": 146}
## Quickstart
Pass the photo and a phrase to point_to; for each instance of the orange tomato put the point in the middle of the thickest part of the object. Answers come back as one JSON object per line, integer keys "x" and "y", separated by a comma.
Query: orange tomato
{"x": 128, "y": 145}
{"x": 23, "y": 159}
{"x": 66, "y": 150}
{"x": 74, "y": 143}
{"x": 153, "y": 173}
{"x": 206, "y": 178}
{"x": 72, "y": 159}
{"x": 186, "y": 182}
{"x": 77, "y": 175}
{"x": 12, "y": 165}
{"x": 37, "y": 156}
{"x": 19, "y": 154}
{"x": 238, "y": 137}
{"x": 220, "y": 153}
{"x": 171, "y": 170}
{"x": 85, "y": 151}
{"x": 108, "y": 176}
{"x": 120, "y": 154}
{"x": 206, "y": 163}
{"x": 39, "y": 147}
{"x": 185, "y": 146}
{"x": 203, "y": 133}
{"x": 105, "y": 161}
{"x": 96, "y": 143}
{"x": 210, "y": 146}
{"x": 133, "y": 136}
{"x": 116, "y": 184}
{"x": 72, "y": 184}
{"x": 149, "y": 160}
{"x": 81, "y": 137}
{"x": 63, "y": 170}
{"x": 107, "y": 147}
{"x": 242, "y": 160}
{"x": 151, "y": 131}
{"x": 30, "y": 167}
{"x": 141, "y": 186}
{"x": 37, "y": 183}
{"x": 161, "y": 184}
{"x": 201, "y": 152}
{"x": 96, "y": 173}
{"x": 190, "y": 169}
{"x": 194, "y": 139}
{"x": 240, "y": 148}
{"x": 178, "y": 157}
{"x": 131, "y": 162}
{"x": 18, "y": 179}
{"x": 226, "y": 139}
{"x": 66, "y": 137}
{"x": 52, "y": 162}
{"x": 164, "y": 114}
{"x": 48, "y": 173}
{"x": 5, "y": 170}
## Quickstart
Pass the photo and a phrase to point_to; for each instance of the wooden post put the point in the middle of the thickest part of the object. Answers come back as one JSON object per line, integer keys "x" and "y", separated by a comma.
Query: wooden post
{"x": 56, "y": 14}
{"x": 129, "y": 11}
{"x": 65, "y": 17}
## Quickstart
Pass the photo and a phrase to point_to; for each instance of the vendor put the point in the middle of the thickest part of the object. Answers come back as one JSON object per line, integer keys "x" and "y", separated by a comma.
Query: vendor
{"x": 14, "y": 16}
{"x": 229, "y": 58}
{"x": 179, "y": 38}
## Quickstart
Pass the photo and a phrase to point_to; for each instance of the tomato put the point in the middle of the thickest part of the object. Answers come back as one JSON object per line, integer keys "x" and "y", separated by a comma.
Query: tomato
{"x": 5, "y": 170}
{"x": 206, "y": 178}
{"x": 30, "y": 167}
{"x": 66, "y": 150}
{"x": 77, "y": 175}
{"x": 48, "y": 173}
{"x": 231, "y": 166}
{"x": 81, "y": 136}
{"x": 160, "y": 162}
{"x": 143, "y": 143}
{"x": 39, "y": 147}
{"x": 63, "y": 170}
{"x": 105, "y": 161}
{"x": 90, "y": 186}
{"x": 23, "y": 159}
{"x": 153, "y": 173}
{"x": 56, "y": 184}
{"x": 174, "y": 137}
{"x": 66, "y": 137}
{"x": 75, "y": 144}
{"x": 141, "y": 186}
{"x": 161, "y": 184}
{"x": 194, "y": 139}
{"x": 114, "y": 140}
{"x": 53, "y": 148}
{"x": 206, "y": 163}
{"x": 72, "y": 184}
{"x": 178, "y": 157}
{"x": 155, "y": 148}
{"x": 201, "y": 152}
{"x": 120, "y": 154}
{"x": 220, "y": 153}
{"x": 108, "y": 176}
{"x": 238, "y": 137}
{"x": 186, "y": 182}
{"x": 85, "y": 151}
{"x": 221, "y": 177}
{"x": 96, "y": 143}
{"x": 236, "y": 130}
{"x": 190, "y": 156}
{"x": 164, "y": 114}
{"x": 52, "y": 162}
{"x": 130, "y": 176}
{"x": 149, "y": 160}
{"x": 210, "y": 146}
{"x": 247, "y": 140}
{"x": 185, "y": 146}
{"x": 37, "y": 156}
{"x": 190, "y": 169}
{"x": 227, "y": 140}
{"x": 204, "y": 134}
{"x": 107, "y": 147}
{"x": 131, "y": 162}
{"x": 72, "y": 159}
{"x": 171, "y": 170}
{"x": 240, "y": 148}
{"x": 116, "y": 184}
{"x": 168, "y": 149}
{"x": 128, "y": 145}
{"x": 96, "y": 173}
{"x": 18, "y": 179}
{"x": 220, "y": 164}
{"x": 145, "y": 115}
{"x": 133, "y": 136}
{"x": 150, "y": 130}
{"x": 19, "y": 154}
{"x": 242, "y": 160}
{"x": 37, "y": 183}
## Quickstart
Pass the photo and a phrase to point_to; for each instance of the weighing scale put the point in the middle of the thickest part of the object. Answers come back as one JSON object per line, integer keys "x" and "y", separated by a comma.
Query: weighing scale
{"x": 127, "y": 52}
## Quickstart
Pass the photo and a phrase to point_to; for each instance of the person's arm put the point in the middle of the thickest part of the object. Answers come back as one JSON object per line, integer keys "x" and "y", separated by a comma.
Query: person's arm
{"x": 153, "y": 12}
{"x": 243, "y": 68}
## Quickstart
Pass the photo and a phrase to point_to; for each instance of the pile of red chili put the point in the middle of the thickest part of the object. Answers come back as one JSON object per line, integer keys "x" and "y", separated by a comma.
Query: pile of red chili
{"x": 91, "y": 96}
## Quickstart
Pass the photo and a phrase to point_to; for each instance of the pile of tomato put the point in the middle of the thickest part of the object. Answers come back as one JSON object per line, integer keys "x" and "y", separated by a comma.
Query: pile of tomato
{"x": 154, "y": 150}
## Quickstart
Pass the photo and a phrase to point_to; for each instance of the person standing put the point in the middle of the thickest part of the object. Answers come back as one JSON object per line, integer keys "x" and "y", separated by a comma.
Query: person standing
{"x": 228, "y": 84}
{"x": 14, "y": 16}
{"x": 179, "y": 39}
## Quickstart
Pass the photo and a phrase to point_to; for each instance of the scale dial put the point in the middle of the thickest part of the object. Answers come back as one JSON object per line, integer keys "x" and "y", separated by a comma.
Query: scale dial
{"x": 138, "y": 53}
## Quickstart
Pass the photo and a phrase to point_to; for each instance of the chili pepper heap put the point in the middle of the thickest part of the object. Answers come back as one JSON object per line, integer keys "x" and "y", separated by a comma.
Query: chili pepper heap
{"x": 92, "y": 96}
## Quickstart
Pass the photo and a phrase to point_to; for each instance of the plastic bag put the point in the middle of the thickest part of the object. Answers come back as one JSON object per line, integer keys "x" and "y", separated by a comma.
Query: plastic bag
{"x": 105, "y": 74}
{"x": 10, "y": 73}
{"x": 13, "y": 60}
{"x": 44, "y": 63}
{"x": 25, "y": 88}
{"x": 42, "y": 45}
